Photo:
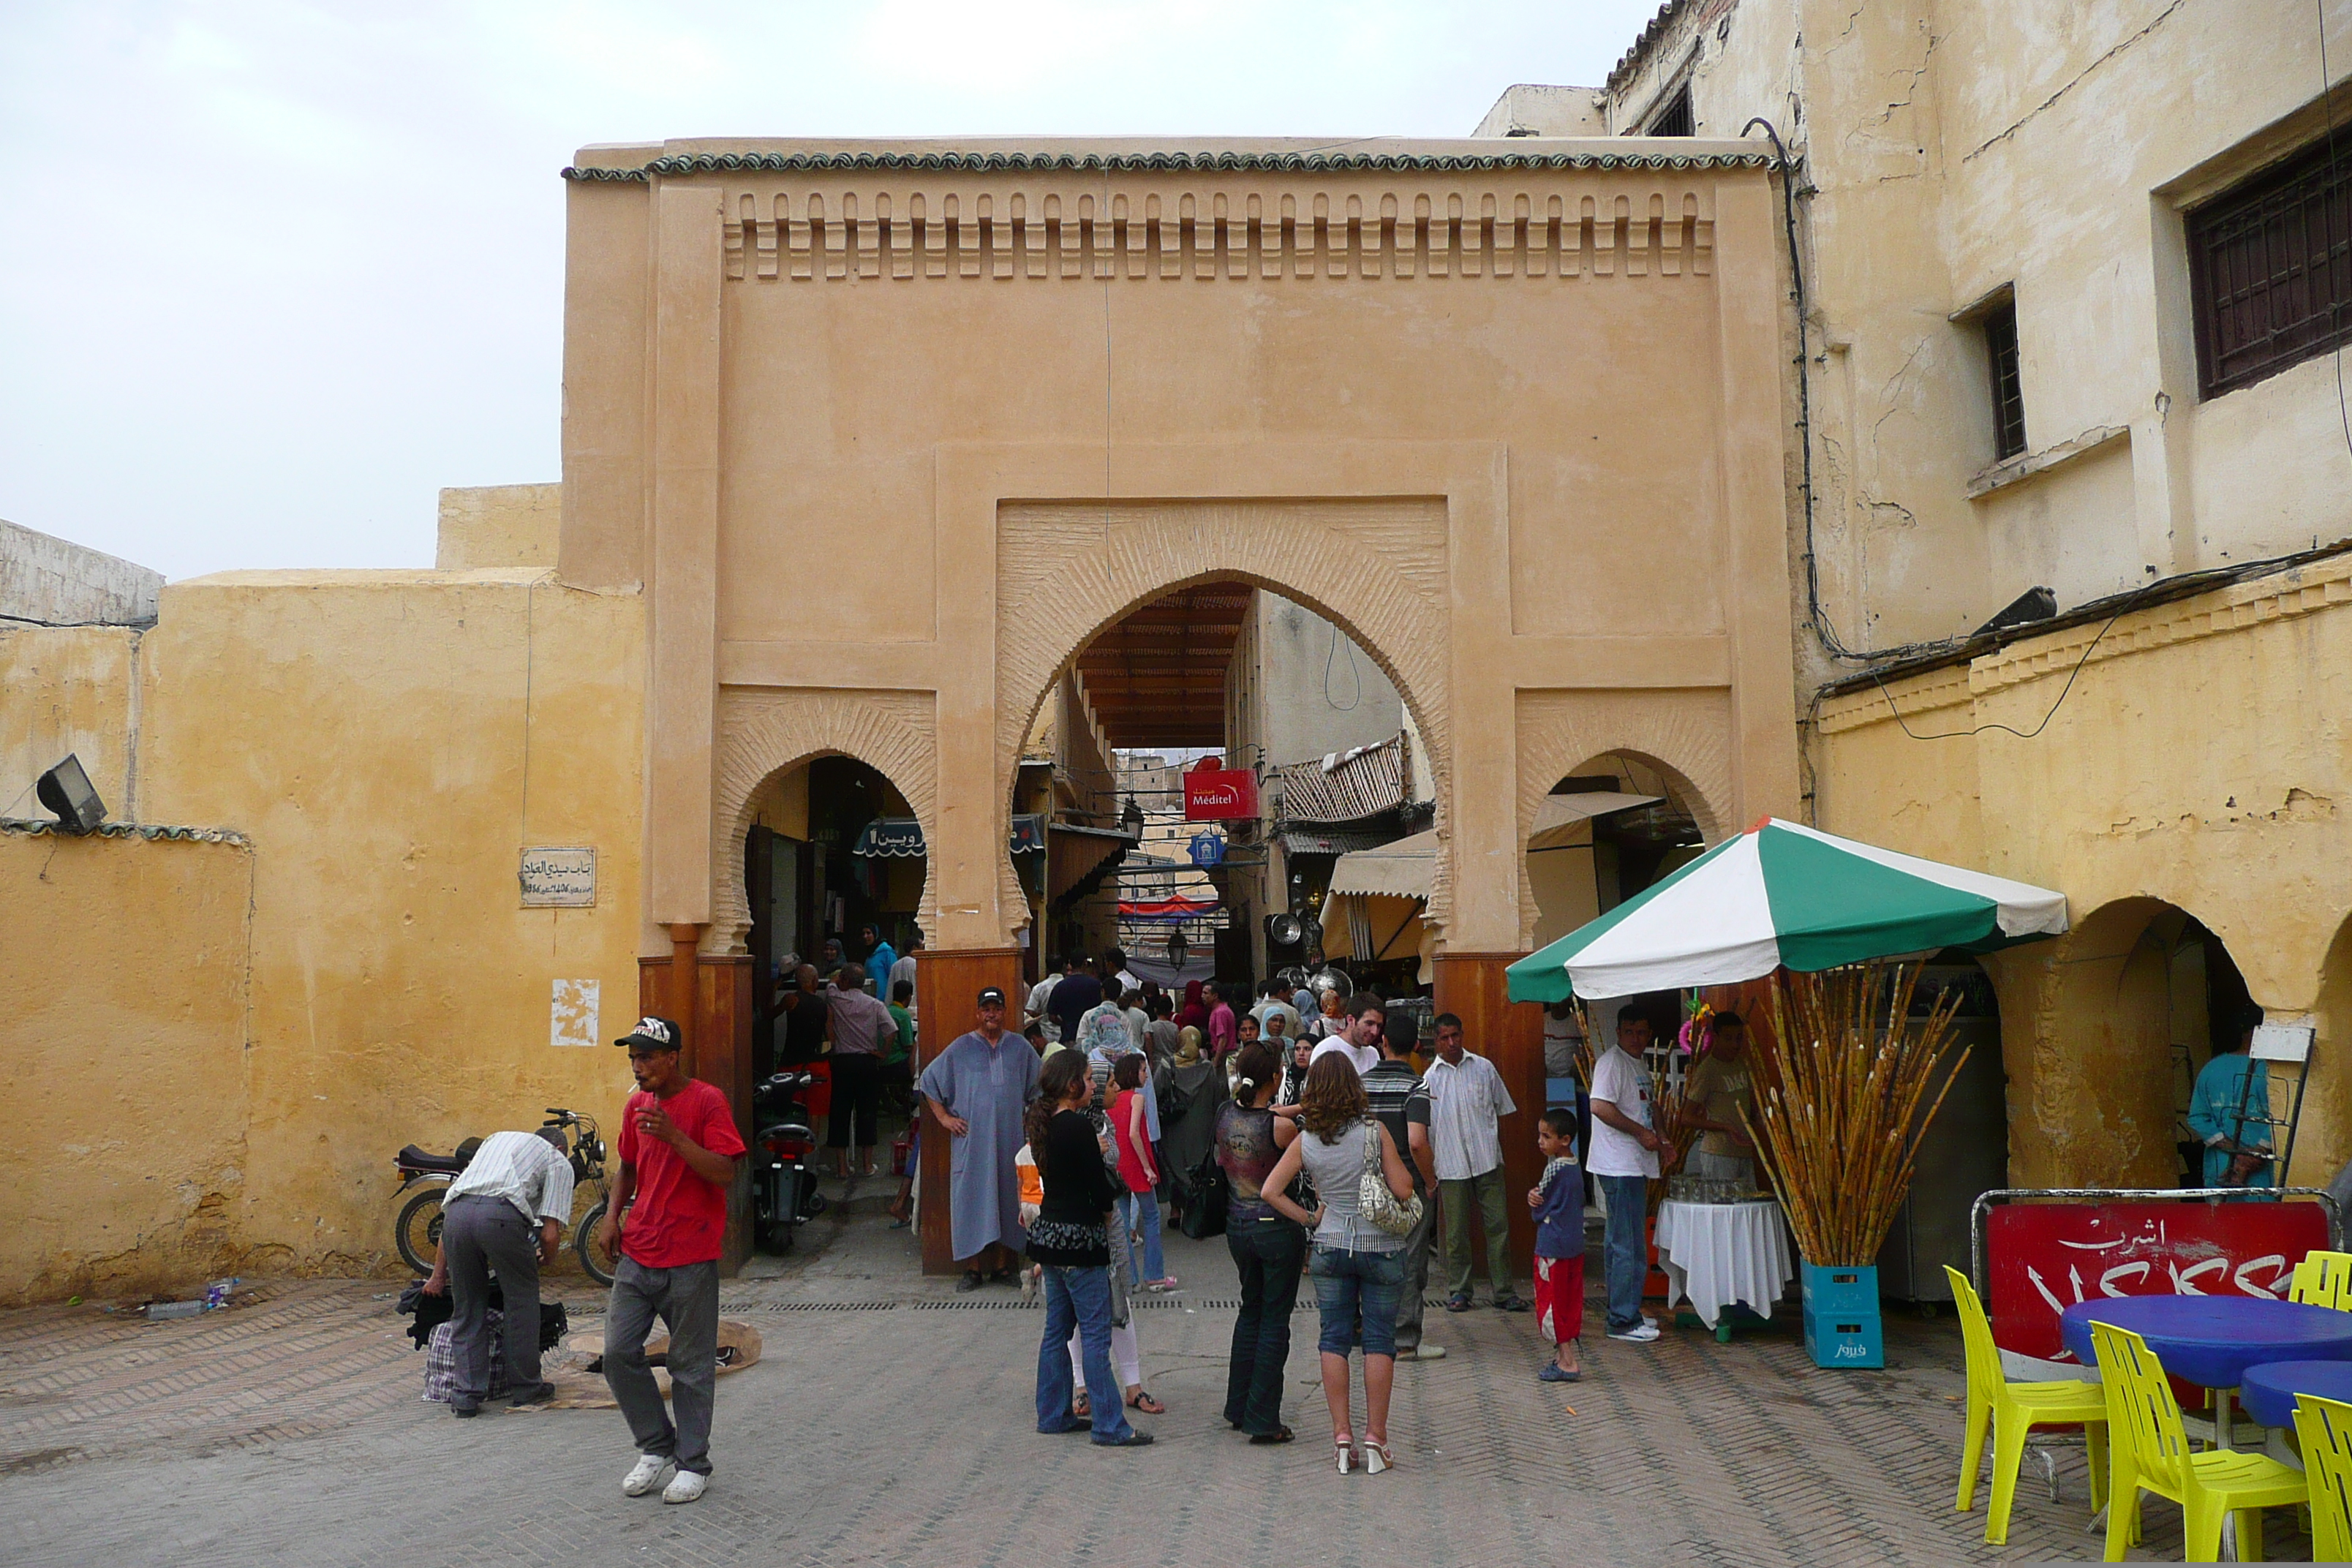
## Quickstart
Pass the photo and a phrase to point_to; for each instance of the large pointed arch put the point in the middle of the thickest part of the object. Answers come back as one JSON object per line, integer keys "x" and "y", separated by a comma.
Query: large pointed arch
{"x": 1376, "y": 568}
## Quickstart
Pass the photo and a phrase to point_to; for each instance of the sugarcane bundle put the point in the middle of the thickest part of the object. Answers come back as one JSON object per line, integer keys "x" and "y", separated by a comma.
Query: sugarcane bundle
{"x": 1839, "y": 1088}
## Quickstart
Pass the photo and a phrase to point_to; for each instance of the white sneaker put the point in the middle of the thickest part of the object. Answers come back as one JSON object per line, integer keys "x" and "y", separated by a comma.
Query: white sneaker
{"x": 1641, "y": 1333}
{"x": 650, "y": 1469}
{"x": 687, "y": 1487}
{"x": 1422, "y": 1352}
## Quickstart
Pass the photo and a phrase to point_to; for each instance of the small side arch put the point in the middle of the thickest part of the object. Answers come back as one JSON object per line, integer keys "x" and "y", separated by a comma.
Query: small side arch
{"x": 762, "y": 733}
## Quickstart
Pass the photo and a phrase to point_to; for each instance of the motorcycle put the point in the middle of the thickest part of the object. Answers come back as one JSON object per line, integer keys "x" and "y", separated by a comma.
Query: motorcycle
{"x": 783, "y": 1183}
{"x": 417, "y": 1230}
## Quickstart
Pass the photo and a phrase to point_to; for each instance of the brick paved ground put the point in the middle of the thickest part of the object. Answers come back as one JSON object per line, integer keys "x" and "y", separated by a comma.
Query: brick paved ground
{"x": 890, "y": 1423}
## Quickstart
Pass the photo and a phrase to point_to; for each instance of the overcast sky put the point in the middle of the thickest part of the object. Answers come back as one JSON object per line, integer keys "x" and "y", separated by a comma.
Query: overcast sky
{"x": 273, "y": 273}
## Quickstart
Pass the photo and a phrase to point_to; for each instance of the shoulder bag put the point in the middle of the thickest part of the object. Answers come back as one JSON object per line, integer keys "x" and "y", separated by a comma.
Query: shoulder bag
{"x": 1391, "y": 1214}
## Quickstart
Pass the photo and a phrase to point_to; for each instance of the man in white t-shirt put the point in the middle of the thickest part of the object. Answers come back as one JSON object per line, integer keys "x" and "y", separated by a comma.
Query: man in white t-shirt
{"x": 1624, "y": 1160}
{"x": 1042, "y": 992}
{"x": 1360, "y": 1042}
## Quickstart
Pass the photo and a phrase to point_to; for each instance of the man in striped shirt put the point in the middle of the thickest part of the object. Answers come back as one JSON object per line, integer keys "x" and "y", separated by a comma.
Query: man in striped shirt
{"x": 515, "y": 1183}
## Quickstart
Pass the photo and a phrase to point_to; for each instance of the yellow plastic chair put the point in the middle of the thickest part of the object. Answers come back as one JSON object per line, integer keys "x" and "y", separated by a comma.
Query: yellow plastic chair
{"x": 2323, "y": 1279}
{"x": 2013, "y": 1409}
{"x": 2149, "y": 1451}
{"x": 2324, "y": 1428}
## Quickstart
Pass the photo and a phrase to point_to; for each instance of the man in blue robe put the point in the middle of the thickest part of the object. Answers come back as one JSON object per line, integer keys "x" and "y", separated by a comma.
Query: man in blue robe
{"x": 978, "y": 1088}
{"x": 2229, "y": 1109}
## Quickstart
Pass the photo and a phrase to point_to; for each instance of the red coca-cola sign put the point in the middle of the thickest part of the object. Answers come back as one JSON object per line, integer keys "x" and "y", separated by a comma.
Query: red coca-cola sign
{"x": 2044, "y": 1257}
{"x": 1220, "y": 795}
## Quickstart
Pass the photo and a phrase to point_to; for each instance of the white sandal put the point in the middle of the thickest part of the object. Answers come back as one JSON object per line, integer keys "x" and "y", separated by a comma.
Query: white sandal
{"x": 1376, "y": 1458}
{"x": 1347, "y": 1447}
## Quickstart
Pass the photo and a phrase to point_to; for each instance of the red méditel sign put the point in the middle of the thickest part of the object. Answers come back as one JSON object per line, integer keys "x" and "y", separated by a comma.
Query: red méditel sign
{"x": 2043, "y": 1258}
{"x": 1220, "y": 795}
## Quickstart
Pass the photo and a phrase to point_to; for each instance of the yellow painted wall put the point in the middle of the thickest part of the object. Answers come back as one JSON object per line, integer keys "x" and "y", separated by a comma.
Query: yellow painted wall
{"x": 389, "y": 742}
{"x": 2201, "y": 764}
{"x": 67, "y": 689}
{"x": 124, "y": 962}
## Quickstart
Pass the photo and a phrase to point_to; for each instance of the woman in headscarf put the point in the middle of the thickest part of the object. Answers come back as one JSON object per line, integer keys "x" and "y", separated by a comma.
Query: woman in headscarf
{"x": 1194, "y": 1014}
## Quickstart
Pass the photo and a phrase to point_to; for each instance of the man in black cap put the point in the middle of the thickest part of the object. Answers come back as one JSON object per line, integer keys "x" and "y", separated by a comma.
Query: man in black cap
{"x": 978, "y": 1087}
{"x": 667, "y": 1225}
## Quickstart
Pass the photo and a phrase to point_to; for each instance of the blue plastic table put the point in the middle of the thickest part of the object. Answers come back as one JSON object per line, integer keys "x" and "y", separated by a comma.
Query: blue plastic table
{"x": 2210, "y": 1340}
{"x": 2268, "y": 1391}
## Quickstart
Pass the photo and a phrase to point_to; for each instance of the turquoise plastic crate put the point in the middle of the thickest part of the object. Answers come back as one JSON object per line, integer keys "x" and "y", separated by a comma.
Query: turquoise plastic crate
{"x": 1846, "y": 1339}
{"x": 1842, "y": 1326}
{"x": 1846, "y": 1290}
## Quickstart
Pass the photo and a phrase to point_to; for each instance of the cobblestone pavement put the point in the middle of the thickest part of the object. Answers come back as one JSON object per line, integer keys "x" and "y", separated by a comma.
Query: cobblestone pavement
{"x": 889, "y": 1420}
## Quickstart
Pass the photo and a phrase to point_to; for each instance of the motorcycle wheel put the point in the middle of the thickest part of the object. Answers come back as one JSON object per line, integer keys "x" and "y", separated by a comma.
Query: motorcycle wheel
{"x": 417, "y": 1231}
{"x": 592, "y": 1258}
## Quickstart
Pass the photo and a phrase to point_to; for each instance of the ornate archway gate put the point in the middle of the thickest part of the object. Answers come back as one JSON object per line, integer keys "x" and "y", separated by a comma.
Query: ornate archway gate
{"x": 888, "y": 431}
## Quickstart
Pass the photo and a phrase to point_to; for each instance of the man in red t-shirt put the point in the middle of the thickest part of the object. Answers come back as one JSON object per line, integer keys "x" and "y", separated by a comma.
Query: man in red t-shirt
{"x": 678, "y": 1147}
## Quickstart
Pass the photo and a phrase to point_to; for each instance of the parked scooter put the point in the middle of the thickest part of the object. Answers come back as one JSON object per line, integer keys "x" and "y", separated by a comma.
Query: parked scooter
{"x": 783, "y": 1181}
{"x": 417, "y": 1231}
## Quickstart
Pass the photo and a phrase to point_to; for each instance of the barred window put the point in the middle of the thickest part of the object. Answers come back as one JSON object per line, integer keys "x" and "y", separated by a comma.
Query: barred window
{"x": 2008, "y": 391}
{"x": 2271, "y": 270}
{"x": 1674, "y": 118}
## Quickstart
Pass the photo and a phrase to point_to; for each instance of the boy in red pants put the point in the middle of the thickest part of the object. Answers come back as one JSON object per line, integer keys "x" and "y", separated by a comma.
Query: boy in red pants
{"x": 1558, "y": 1204}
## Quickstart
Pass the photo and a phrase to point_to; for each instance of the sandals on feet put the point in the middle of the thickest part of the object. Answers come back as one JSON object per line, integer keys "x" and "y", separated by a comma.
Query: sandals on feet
{"x": 1279, "y": 1435}
{"x": 1142, "y": 1401}
{"x": 1347, "y": 1453}
{"x": 971, "y": 1281}
{"x": 1376, "y": 1458}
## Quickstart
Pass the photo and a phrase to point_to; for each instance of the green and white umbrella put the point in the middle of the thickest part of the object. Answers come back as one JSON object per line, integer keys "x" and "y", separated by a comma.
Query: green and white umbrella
{"x": 1783, "y": 895}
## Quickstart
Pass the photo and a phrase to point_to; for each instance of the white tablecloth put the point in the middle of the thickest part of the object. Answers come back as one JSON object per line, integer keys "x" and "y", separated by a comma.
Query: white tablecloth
{"x": 1715, "y": 1254}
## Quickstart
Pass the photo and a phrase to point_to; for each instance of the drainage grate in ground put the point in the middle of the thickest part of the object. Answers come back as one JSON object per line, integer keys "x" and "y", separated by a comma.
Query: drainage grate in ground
{"x": 754, "y": 1304}
{"x": 1016, "y": 1304}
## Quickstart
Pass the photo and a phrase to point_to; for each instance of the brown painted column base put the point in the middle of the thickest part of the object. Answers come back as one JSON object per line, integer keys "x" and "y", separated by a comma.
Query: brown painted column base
{"x": 1473, "y": 985}
{"x": 947, "y": 990}
{"x": 710, "y": 998}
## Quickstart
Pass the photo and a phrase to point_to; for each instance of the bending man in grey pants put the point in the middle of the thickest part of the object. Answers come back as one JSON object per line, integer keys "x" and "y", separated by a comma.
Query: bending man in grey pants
{"x": 516, "y": 1180}
{"x": 668, "y": 1216}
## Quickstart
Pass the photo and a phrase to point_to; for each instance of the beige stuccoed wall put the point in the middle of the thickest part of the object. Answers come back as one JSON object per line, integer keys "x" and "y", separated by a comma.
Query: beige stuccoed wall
{"x": 881, "y": 492}
{"x": 499, "y": 525}
{"x": 125, "y": 962}
{"x": 2188, "y": 765}
{"x": 386, "y": 743}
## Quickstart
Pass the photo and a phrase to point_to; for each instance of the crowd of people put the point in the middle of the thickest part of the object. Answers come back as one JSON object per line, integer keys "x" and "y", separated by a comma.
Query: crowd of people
{"x": 1337, "y": 1161}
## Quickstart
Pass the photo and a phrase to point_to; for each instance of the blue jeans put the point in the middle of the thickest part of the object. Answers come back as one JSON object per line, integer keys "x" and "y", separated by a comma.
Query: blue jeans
{"x": 1140, "y": 1212}
{"x": 1628, "y": 1259}
{"x": 1348, "y": 1283}
{"x": 1078, "y": 1296}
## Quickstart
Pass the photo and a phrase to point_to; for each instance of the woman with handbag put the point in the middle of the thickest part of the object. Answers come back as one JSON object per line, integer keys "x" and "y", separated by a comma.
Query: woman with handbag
{"x": 1366, "y": 1210}
{"x": 1268, "y": 1248}
{"x": 1072, "y": 1238}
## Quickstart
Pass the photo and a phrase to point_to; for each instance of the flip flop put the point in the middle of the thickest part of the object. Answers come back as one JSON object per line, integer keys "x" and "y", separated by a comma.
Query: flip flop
{"x": 1141, "y": 1400}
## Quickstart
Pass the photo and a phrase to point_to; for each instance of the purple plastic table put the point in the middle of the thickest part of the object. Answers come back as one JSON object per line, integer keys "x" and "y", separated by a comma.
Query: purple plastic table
{"x": 2210, "y": 1340}
{"x": 2268, "y": 1391}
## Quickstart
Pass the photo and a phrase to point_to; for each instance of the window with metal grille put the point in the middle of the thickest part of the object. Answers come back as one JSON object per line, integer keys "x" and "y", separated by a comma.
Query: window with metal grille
{"x": 1674, "y": 118}
{"x": 2271, "y": 270}
{"x": 2008, "y": 395}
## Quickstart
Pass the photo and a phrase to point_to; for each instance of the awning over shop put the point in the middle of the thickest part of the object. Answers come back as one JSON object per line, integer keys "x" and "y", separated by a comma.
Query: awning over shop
{"x": 1077, "y": 857}
{"x": 901, "y": 838}
{"x": 1174, "y": 909}
{"x": 1334, "y": 840}
{"x": 1346, "y": 786}
{"x": 1404, "y": 868}
{"x": 1561, "y": 815}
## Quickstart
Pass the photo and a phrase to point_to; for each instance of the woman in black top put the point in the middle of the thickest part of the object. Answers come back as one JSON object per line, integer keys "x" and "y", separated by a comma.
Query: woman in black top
{"x": 1071, "y": 1239}
{"x": 1268, "y": 1248}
